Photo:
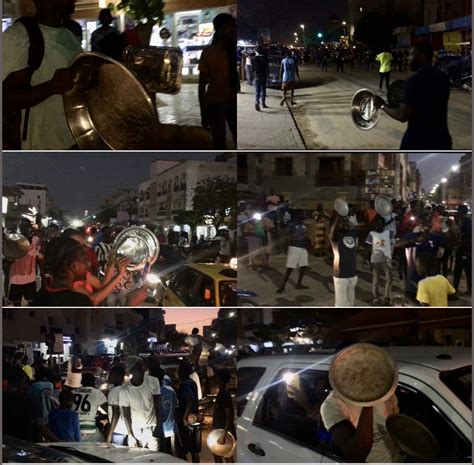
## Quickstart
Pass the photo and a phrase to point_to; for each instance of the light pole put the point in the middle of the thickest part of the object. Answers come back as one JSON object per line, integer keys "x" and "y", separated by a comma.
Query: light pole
{"x": 304, "y": 37}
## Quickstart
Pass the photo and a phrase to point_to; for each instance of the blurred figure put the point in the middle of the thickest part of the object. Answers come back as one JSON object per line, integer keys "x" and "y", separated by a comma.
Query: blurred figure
{"x": 106, "y": 39}
{"x": 63, "y": 422}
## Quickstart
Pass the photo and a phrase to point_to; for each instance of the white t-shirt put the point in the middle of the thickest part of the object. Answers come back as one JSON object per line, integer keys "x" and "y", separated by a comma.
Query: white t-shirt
{"x": 381, "y": 248}
{"x": 195, "y": 377}
{"x": 140, "y": 401}
{"x": 384, "y": 450}
{"x": 87, "y": 401}
{"x": 47, "y": 127}
{"x": 113, "y": 399}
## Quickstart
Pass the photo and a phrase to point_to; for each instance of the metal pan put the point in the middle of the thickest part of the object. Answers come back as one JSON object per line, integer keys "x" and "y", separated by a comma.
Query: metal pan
{"x": 365, "y": 115}
{"x": 221, "y": 450}
{"x": 108, "y": 107}
{"x": 363, "y": 375}
{"x": 341, "y": 207}
{"x": 383, "y": 205}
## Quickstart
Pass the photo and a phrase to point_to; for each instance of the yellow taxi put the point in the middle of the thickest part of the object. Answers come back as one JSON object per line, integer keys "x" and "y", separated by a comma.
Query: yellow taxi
{"x": 199, "y": 285}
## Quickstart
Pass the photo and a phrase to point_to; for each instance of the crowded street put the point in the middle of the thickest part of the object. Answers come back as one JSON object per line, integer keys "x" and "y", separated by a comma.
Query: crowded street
{"x": 156, "y": 388}
{"x": 323, "y": 113}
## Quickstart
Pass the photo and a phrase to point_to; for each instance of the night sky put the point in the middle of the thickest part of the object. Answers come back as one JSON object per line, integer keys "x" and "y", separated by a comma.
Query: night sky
{"x": 284, "y": 17}
{"x": 186, "y": 319}
{"x": 79, "y": 181}
{"x": 434, "y": 166}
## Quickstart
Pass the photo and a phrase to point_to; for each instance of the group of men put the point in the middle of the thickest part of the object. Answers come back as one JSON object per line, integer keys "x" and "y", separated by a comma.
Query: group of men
{"x": 428, "y": 242}
{"x": 143, "y": 407}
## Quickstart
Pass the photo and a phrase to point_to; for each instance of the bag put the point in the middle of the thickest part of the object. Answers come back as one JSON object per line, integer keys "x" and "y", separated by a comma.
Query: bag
{"x": 11, "y": 123}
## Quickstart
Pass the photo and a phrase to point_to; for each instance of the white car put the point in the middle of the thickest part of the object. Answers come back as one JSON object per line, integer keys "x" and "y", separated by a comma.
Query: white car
{"x": 18, "y": 451}
{"x": 434, "y": 387}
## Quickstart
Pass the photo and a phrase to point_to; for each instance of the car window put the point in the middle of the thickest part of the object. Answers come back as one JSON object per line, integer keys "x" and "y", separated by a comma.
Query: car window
{"x": 453, "y": 447}
{"x": 228, "y": 293}
{"x": 183, "y": 285}
{"x": 248, "y": 378}
{"x": 280, "y": 410}
{"x": 460, "y": 382}
{"x": 205, "y": 292}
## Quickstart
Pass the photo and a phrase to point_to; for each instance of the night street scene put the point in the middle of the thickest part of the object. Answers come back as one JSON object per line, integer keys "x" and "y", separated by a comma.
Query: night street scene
{"x": 354, "y": 229}
{"x": 119, "y": 74}
{"x": 137, "y": 229}
{"x": 354, "y": 385}
{"x": 119, "y": 385}
{"x": 354, "y": 74}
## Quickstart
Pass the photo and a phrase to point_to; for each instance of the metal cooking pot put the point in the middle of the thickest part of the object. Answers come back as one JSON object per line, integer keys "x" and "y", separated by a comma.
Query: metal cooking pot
{"x": 363, "y": 375}
{"x": 15, "y": 246}
{"x": 221, "y": 450}
{"x": 383, "y": 205}
{"x": 139, "y": 245}
{"x": 108, "y": 108}
{"x": 157, "y": 68}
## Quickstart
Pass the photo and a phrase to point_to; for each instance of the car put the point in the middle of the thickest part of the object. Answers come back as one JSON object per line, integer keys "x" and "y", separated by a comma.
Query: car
{"x": 18, "y": 451}
{"x": 434, "y": 387}
{"x": 199, "y": 284}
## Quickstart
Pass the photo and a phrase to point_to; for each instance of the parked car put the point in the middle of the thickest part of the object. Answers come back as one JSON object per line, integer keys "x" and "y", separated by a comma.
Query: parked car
{"x": 434, "y": 387}
{"x": 18, "y": 451}
{"x": 199, "y": 284}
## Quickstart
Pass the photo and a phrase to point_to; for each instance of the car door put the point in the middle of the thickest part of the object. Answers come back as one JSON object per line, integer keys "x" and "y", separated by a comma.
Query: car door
{"x": 275, "y": 428}
{"x": 180, "y": 290}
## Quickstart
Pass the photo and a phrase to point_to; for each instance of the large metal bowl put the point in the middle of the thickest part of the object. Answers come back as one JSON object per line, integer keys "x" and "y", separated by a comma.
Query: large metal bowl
{"x": 341, "y": 207}
{"x": 139, "y": 245}
{"x": 159, "y": 69}
{"x": 108, "y": 108}
{"x": 363, "y": 375}
{"x": 383, "y": 205}
{"x": 365, "y": 114}
{"x": 221, "y": 450}
{"x": 15, "y": 246}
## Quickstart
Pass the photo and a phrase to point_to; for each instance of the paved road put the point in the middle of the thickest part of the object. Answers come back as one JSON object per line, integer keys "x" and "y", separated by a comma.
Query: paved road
{"x": 322, "y": 115}
{"x": 320, "y": 282}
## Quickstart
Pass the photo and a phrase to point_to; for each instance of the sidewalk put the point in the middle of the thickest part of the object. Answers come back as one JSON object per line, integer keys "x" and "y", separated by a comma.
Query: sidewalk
{"x": 271, "y": 128}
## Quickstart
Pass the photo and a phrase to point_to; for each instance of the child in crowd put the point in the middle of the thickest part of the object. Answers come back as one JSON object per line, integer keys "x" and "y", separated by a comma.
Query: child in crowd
{"x": 63, "y": 422}
{"x": 433, "y": 290}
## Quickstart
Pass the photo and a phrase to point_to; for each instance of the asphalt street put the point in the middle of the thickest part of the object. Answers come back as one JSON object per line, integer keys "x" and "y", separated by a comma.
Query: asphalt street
{"x": 320, "y": 282}
{"x": 321, "y": 118}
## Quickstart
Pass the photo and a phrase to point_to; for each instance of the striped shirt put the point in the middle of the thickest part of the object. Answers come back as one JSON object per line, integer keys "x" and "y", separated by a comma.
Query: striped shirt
{"x": 102, "y": 251}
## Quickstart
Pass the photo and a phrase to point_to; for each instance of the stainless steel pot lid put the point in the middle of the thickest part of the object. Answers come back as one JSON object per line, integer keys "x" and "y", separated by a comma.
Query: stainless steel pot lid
{"x": 365, "y": 114}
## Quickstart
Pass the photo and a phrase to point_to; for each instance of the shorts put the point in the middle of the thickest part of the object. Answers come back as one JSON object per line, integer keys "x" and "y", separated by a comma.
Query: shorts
{"x": 145, "y": 436}
{"x": 17, "y": 291}
{"x": 297, "y": 257}
{"x": 288, "y": 85}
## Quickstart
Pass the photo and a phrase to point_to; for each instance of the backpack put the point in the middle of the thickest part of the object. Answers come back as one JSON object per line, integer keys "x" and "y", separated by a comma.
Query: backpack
{"x": 13, "y": 134}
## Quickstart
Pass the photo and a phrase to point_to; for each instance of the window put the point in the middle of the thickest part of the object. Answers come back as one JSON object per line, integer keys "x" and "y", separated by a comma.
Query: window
{"x": 284, "y": 166}
{"x": 205, "y": 293}
{"x": 228, "y": 293}
{"x": 280, "y": 413}
{"x": 460, "y": 382}
{"x": 453, "y": 447}
{"x": 248, "y": 378}
{"x": 183, "y": 283}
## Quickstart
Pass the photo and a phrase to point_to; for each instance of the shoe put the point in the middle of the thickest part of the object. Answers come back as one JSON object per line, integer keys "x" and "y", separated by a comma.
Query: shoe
{"x": 293, "y": 103}
{"x": 265, "y": 106}
{"x": 377, "y": 301}
{"x": 280, "y": 290}
{"x": 257, "y": 107}
{"x": 300, "y": 286}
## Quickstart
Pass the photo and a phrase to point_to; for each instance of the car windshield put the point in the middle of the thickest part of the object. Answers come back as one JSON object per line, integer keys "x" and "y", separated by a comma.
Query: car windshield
{"x": 228, "y": 293}
{"x": 460, "y": 383}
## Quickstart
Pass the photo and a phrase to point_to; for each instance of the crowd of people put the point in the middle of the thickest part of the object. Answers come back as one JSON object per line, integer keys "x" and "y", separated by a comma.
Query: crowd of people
{"x": 38, "y": 50}
{"x": 429, "y": 247}
{"x": 78, "y": 266}
{"x": 142, "y": 404}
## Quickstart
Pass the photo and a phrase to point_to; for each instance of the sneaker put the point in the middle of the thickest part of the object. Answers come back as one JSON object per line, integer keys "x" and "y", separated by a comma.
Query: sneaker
{"x": 265, "y": 106}
{"x": 257, "y": 107}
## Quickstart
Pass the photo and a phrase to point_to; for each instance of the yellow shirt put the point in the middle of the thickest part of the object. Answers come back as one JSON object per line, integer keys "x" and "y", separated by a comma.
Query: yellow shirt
{"x": 385, "y": 59}
{"x": 434, "y": 291}
{"x": 29, "y": 371}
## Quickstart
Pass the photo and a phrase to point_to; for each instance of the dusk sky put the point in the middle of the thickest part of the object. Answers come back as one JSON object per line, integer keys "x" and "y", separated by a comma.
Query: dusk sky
{"x": 188, "y": 318}
{"x": 81, "y": 181}
{"x": 284, "y": 17}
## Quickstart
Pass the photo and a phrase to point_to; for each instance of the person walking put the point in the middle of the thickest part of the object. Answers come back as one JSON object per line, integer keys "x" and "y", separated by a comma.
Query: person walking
{"x": 288, "y": 75}
{"x": 385, "y": 59}
{"x": 261, "y": 73}
{"x": 248, "y": 69}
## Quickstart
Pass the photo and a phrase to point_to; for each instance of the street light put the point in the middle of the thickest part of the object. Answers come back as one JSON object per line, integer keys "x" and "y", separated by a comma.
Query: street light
{"x": 304, "y": 40}
{"x": 455, "y": 168}
{"x": 444, "y": 180}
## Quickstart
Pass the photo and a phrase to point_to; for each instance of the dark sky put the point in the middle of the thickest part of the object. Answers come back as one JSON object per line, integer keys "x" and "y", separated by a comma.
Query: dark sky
{"x": 284, "y": 17}
{"x": 434, "y": 166}
{"x": 80, "y": 181}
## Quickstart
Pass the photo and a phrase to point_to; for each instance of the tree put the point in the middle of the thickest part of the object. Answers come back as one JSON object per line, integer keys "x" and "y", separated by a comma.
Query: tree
{"x": 146, "y": 12}
{"x": 216, "y": 198}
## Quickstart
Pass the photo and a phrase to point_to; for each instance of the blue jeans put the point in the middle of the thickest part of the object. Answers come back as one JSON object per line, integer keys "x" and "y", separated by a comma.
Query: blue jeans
{"x": 260, "y": 91}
